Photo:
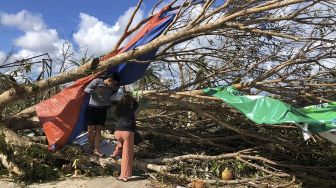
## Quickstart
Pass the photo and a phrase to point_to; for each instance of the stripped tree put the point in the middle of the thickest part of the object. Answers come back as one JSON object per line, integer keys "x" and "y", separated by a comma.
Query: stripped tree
{"x": 284, "y": 48}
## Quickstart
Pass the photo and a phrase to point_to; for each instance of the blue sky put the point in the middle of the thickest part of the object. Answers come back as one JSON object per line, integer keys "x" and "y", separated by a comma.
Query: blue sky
{"x": 33, "y": 26}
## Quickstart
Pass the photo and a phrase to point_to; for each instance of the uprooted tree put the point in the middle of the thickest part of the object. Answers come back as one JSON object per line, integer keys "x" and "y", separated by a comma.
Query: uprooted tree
{"x": 285, "y": 49}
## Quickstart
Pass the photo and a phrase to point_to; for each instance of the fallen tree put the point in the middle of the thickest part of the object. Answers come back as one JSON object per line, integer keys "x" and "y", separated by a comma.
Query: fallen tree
{"x": 284, "y": 49}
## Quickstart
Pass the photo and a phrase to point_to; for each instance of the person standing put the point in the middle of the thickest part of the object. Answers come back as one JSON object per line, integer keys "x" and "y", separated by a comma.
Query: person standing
{"x": 100, "y": 90}
{"x": 124, "y": 133}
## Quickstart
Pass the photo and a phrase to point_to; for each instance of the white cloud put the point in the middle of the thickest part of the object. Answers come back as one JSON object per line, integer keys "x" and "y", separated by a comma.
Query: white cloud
{"x": 93, "y": 34}
{"x": 210, "y": 41}
{"x": 38, "y": 40}
{"x": 37, "y": 37}
{"x": 2, "y": 56}
{"x": 23, "y": 20}
{"x": 99, "y": 37}
{"x": 123, "y": 20}
{"x": 23, "y": 53}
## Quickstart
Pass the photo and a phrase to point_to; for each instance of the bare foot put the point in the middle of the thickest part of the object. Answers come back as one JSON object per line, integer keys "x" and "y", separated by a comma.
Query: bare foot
{"x": 98, "y": 153}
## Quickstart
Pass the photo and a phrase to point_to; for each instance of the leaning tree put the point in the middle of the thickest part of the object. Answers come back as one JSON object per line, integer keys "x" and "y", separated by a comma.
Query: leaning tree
{"x": 281, "y": 48}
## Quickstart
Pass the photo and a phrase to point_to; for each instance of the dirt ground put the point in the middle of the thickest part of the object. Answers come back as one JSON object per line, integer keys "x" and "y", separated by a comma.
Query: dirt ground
{"x": 97, "y": 182}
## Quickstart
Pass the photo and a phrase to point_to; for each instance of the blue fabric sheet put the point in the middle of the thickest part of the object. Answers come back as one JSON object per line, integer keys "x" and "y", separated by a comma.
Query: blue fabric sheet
{"x": 129, "y": 72}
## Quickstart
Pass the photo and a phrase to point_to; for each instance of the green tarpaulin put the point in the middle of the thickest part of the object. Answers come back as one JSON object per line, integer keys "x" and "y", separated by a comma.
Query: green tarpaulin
{"x": 324, "y": 113}
{"x": 265, "y": 110}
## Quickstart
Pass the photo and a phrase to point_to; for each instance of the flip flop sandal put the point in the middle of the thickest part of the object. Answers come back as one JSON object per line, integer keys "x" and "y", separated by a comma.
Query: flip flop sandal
{"x": 113, "y": 157}
{"x": 122, "y": 179}
{"x": 99, "y": 154}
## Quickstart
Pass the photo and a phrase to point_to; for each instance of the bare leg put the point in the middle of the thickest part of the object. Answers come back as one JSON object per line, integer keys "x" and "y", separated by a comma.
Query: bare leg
{"x": 91, "y": 135}
{"x": 97, "y": 138}
{"x": 118, "y": 147}
{"x": 127, "y": 155}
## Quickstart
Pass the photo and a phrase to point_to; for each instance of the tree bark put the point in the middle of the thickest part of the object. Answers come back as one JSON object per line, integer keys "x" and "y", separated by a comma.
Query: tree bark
{"x": 11, "y": 95}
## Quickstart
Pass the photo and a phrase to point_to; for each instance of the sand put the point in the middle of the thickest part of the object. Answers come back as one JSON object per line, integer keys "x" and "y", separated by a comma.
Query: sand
{"x": 84, "y": 182}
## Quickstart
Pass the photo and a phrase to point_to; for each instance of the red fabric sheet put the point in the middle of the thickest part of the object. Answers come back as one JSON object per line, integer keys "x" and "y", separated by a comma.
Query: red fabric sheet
{"x": 58, "y": 115}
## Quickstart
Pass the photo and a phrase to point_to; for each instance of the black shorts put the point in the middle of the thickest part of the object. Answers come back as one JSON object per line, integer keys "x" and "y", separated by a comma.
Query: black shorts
{"x": 96, "y": 115}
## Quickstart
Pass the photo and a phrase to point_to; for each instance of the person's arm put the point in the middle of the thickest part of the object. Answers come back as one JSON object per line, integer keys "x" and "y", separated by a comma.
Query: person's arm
{"x": 91, "y": 88}
{"x": 116, "y": 97}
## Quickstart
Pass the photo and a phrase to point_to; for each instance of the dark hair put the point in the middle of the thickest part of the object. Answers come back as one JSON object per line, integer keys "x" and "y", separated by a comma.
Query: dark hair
{"x": 115, "y": 76}
{"x": 125, "y": 105}
{"x": 127, "y": 100}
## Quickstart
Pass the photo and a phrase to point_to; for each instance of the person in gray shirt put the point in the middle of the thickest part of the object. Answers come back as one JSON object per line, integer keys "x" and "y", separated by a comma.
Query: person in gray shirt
{"x": 101, "y": 90}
